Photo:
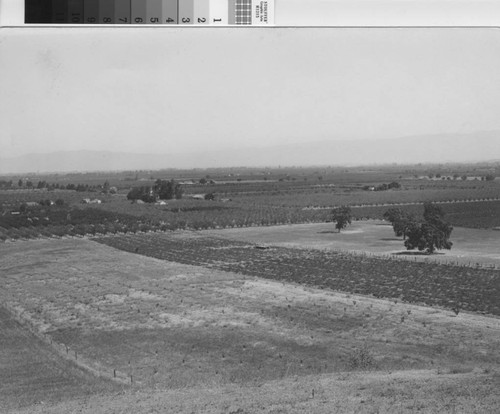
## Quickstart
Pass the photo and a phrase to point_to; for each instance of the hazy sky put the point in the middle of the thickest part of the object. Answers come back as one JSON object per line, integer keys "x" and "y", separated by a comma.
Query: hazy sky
{"x": 177, "y": 90}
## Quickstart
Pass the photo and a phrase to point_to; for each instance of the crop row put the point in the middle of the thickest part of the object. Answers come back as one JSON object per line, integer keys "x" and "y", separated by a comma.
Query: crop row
{"x": 453, "y": 287}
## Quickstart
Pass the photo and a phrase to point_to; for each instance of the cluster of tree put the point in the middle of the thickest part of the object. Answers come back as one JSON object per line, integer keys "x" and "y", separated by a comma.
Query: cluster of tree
{"x": 444, "y": 177}
{"x": 391, "y": 186}
{"x": 47, "y": 203}
{"x": 27, "y": 184}
{"x": 38, "y": 216}
{"x": 383, "y": 187}
{"x": 205, "y": 181}
{"x": 289, "y": 178}
{"x": 144, "y": 193}
{"x": 81, "y": 188}
{"x": 5, "y": 185}
{"x": 105, "y": 188}
{"x": 431, "y": 234}
{"x": 488, "y": 177}
{"x": 342, "y": 216}
{"x": 401, "y": 221}
{"x": 167, "y": 190}
{"x": 40, "y": 185}
{"x": 162, "y": 189}
{"x": 457, "y": 176}
{"x": 23, "y": 207}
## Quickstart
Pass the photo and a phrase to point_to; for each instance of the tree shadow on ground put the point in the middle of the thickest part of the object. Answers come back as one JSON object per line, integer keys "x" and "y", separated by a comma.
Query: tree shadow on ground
{"x": 410, "y": 253}
{"x": 328, "y": 232}
{"x": 391, "y": 239}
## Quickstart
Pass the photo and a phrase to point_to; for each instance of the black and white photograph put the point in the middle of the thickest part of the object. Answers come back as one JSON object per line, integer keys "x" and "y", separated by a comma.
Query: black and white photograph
{"x": 242, "y": 206}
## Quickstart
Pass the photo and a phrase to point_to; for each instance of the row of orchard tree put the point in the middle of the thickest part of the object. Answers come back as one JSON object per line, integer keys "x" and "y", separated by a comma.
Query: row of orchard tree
{"x": 430, "y": 234}
{"x": 44, "y": 185}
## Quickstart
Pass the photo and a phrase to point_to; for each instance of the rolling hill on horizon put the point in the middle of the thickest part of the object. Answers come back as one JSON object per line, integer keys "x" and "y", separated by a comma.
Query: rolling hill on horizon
{"x": 483, "y": 146}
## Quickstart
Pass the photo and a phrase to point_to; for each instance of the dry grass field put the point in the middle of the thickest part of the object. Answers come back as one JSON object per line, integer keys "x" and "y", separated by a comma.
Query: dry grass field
{"x": 193, "y": 339}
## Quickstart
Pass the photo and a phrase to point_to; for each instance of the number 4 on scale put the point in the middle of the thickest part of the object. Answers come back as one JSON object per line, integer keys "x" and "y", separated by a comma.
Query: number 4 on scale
{"x": 170, "y": 11}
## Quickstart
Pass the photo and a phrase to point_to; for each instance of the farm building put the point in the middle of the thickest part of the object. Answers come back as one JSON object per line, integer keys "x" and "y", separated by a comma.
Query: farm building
{"x": 91, "y": 201}
{"x": 197, "y": 197}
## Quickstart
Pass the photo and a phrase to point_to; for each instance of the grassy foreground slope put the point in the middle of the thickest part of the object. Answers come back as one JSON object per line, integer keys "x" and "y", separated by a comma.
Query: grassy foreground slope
{"x": 196, "y": 339}
{"x": 32, "y": 372}
{"x": 363, "y": 393}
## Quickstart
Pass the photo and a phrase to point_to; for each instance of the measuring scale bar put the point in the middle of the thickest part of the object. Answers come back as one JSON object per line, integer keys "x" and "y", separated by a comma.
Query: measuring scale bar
{"x": 164, "y": 12}
{"x": 245, "y": 13}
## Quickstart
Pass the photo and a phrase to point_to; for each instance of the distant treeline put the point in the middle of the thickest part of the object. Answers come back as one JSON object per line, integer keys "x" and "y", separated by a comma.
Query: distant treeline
{"x": 41, "y": 185}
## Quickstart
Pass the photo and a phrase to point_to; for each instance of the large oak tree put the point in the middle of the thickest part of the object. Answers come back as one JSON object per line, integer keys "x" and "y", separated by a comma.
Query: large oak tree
{"x": 432, "y": 234}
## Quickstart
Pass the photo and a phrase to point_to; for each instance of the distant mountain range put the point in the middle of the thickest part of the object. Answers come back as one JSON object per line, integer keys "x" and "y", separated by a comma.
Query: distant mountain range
{"x": 484, "y": 146}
